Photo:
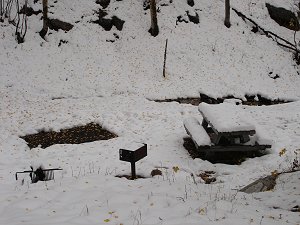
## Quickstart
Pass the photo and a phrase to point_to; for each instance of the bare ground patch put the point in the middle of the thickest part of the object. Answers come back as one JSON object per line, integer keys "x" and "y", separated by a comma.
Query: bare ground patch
{"x": 252, "y": 100}
{"x": 76, "y": 135}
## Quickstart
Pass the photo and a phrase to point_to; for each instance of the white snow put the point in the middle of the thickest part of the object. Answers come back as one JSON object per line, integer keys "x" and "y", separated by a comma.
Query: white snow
{"x": 87, "y": 79}
{"x": 226, "y": 117}
{"x": 196, "y": 131}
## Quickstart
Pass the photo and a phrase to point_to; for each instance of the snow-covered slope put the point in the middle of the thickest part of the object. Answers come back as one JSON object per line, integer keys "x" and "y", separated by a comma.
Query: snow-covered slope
{"x": 200, "y": 56}
{"x": 91, "y": 79}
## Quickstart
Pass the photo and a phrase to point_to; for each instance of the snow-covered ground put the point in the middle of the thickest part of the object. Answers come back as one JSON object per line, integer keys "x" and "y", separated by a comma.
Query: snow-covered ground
{"x": 87, "y": 79}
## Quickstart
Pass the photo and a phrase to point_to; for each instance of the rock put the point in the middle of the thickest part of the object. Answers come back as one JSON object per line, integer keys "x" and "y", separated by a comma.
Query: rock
{"x": 156, "y": 172}
{"x": 207, "y": 177}
{"x": 107, "y": 23}
{"x": 283, "y": 17}
{"x": 260, "y": 185}
{"x": 296, "y": 208}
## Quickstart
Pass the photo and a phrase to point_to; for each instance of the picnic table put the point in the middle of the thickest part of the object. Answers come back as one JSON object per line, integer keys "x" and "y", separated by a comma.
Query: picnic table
{"x": 225, "y": 127}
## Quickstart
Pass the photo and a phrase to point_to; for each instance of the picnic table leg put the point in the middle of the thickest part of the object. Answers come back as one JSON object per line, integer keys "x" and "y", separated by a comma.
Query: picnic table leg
{"x": 209, "y": 155}
{"x": 204, "y": 124}
{"x": 216, "y": 139}
{"x": 245, "y": 138}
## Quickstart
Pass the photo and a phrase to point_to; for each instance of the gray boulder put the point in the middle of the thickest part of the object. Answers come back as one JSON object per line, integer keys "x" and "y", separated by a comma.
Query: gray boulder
{"x": 263, "y": 184}
{"x": 283, "y": 17}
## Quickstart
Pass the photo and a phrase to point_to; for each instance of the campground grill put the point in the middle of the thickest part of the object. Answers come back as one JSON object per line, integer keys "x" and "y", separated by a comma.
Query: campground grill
{"x": 39, "y": 174}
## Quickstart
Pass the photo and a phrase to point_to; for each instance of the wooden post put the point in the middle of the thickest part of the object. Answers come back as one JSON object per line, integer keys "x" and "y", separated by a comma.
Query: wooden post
{"x": 165, "y": 58}
{"x": 1, "y": 10}
{"x": 227, "y": 14}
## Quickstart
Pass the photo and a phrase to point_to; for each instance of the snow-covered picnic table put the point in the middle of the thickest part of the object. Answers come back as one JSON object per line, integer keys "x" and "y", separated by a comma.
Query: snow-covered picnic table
{"x": 225, "y": 127}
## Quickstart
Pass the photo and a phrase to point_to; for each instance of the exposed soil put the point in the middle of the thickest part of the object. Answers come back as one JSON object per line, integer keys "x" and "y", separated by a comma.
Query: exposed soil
{"x": 129, "y": 177}
{"x": 231, "y": 158}
{"x": 208, "y": 176}
{"x": 103, "y": 3}
{"x": 253, "y": 100}
{"x": 62, "y": 42}
{"x": 108, "y": 23}
{"x": 56, "y": 24}
{"x": 76, "y": 135}
{"x": 194, "y": 19}
{"x": 29, "y": 11}
{"x": 146, "y": 4}
{"x": 156, "y": 172}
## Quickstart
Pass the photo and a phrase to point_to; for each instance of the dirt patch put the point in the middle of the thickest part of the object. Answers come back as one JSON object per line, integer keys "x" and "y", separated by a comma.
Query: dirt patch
{"x": 208, "y": 176}
{"x": 193, "y": 18}
{"x": 61, "y": 41}
{"x": 192, "y": 101}
{"x": 76, "y": 135}
{"x": 56, "y": 24}
{"x": 259, "y": 100}
{"x": 191, "y": 3}
{"x": 231, "y": 158}
{"x": 29, "y": 11}
{"x": 103, "y": 3}
{"x": 253, "y": 100}
{"x": 108, "y": 23}
{"x": 188, "y": 17}
{"x": 129, "y": 177}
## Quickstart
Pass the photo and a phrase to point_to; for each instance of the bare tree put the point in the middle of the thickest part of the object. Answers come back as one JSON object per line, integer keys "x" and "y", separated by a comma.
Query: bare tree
{"x": 21, "y": 26}
{"x": 154, "y": 27}
{"x": 44, "y": 30}
{"x": 1, "y": 10}
{"x": 296, "y": 28}
{"x": 227, "y": 14}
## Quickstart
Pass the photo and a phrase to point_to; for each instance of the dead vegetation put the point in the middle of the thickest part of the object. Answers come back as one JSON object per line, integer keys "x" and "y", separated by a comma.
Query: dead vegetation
{"x": 76, "y": 135}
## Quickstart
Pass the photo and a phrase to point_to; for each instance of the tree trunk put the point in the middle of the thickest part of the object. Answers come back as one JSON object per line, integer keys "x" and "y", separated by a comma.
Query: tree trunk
{"x": 1, "y": 10}
{"x": 154, "y": 27}
{"x": 44, "y": 31}
{"x": 227, "y": 14}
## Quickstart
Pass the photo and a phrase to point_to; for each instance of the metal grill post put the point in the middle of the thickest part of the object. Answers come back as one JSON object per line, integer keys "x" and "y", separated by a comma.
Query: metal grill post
{"x": 133, "y": 174}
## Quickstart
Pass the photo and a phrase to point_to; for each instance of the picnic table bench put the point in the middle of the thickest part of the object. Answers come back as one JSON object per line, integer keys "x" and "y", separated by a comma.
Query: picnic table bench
{"x": 224, "y": 127}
